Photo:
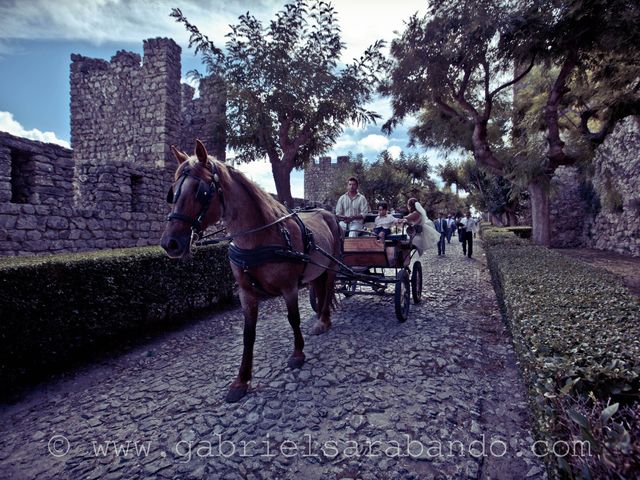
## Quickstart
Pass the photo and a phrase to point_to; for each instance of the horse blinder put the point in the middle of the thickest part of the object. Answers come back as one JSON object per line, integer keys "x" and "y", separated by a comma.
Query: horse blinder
{"x": 202, "y": 194}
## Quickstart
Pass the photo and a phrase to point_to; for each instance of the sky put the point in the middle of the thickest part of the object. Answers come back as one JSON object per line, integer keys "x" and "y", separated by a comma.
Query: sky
{"x": 37, "y": 38}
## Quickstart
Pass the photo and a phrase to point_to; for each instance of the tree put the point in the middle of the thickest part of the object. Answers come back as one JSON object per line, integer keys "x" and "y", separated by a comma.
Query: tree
{"x": 451, "y": 175}
{"x": 490, "y": 193}
{"x": 454, "y": 65}
{"x": 449, "y": 68}
{"x": 395, "y": 181}
{"x": 287, "y": 98}
{"x": 592, "y": 45}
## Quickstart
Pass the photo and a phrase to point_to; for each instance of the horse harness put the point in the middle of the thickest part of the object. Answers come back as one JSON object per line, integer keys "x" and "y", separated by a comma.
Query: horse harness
{"x": 248, "y": 258}
{"x": 243, "y": 258}
{"x": 203, "y": 196}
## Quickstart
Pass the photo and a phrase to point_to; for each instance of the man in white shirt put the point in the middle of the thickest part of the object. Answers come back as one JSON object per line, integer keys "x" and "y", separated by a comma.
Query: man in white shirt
{"x": 451, "y": 226}
{"x": 470, "y": 226}
{"x": 351, "y": 208}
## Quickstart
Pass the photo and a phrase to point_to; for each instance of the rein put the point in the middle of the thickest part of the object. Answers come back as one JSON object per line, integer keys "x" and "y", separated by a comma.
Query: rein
{"x": 241, "y": 234}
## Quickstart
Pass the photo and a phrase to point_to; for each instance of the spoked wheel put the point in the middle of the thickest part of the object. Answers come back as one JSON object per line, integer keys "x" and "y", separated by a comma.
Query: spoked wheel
{"x": 402, "y": 295}
{"x": 416, "y": 282}
{"x": 313, "y": 298}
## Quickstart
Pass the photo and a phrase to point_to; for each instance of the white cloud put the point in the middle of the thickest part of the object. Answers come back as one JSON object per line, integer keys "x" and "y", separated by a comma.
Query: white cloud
{"x": 374, "y": 142}
{"x": 9, "y": 125}
{"x": 344, "y": 142}
{"x": 365, "y": 21}
{"x": 394, "y": 151}
{"x": 260, "y": 172}
{"x": 362, "y": 22}
{"x": 100, "y": 21}
{"x": 382, "y": 106}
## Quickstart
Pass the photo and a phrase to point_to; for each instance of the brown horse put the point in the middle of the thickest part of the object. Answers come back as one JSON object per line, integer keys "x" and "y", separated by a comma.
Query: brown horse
{"x": 206, "y": 191}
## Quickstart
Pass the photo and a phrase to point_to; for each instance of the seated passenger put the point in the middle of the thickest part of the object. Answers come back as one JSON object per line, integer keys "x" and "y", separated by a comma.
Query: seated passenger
{"x": 384, "y": 221}
{"x": 424, "y": 234}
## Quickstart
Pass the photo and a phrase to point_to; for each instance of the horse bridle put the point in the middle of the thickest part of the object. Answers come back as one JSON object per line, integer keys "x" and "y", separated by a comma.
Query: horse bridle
{"x": 203, "y": 195}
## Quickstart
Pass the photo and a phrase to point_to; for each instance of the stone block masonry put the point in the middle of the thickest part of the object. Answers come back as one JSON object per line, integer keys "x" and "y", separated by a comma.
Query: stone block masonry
{"x": 44, "y": 214}
{"x": 319, "y": 177}
{"x": 108, "y": 191}
{"x": 604, "y": 212}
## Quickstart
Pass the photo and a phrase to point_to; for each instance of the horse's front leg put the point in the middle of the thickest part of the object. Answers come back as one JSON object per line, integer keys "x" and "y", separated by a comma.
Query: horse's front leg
{"x": 240, "y": 385}
{"x": 293, "y": 314}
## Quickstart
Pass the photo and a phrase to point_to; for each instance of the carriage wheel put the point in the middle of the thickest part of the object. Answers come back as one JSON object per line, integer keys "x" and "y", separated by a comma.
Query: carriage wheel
{"x": 416, "y": 282}
{"x": 313, "y": 298}
{"x": 402, "y": 295}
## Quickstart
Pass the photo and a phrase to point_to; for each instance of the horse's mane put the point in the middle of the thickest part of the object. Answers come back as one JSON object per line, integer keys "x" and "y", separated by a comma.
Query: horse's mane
{"x": 264, "y": 204}
{"x": 268, "y": 206}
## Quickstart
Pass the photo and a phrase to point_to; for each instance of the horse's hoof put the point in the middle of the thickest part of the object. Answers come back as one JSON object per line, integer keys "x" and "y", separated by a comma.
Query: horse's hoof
{"x": 236, "y": 393}
{"x": 296, "y": 362}
{"x": 319, "y": 328}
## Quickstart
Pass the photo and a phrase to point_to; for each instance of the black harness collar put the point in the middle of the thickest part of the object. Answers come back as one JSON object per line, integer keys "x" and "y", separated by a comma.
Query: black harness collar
{"x": 253, "y": 257}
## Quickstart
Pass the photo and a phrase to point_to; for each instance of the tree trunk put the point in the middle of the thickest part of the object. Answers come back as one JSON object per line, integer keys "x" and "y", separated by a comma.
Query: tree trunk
{"x": 495, "y": 220}
{"x": 512, "y": 218}
{"x": 282, "y": 178}
{"x": 539, "y": 194}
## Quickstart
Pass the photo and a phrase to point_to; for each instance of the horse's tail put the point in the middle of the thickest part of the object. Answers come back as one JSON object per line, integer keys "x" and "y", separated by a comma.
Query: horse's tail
{"x": 338, "y": 235}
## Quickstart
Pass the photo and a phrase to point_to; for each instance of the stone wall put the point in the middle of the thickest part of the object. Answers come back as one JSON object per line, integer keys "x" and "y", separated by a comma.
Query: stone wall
{"x": 319, "y": 176}
{"x": 617, "y": 184}
{"x": 124, "y": 110}
{"x": 38, "y": 209}
{"x": 109, "y": 190}
{"x": 602, "y": 213}
{"x": 568, "y": 209}
{"x": 204, "y": 117}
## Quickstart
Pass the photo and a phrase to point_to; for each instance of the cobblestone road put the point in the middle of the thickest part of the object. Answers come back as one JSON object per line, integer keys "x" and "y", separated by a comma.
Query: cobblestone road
{"x": 438, "y": 396}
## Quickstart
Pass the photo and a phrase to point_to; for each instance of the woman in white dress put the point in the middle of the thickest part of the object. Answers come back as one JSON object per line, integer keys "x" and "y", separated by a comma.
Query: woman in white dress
{"x": 426, "y": 236}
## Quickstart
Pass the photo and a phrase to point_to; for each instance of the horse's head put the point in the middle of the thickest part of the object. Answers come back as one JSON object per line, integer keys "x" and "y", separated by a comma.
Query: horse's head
{"x": 196, "y": 196}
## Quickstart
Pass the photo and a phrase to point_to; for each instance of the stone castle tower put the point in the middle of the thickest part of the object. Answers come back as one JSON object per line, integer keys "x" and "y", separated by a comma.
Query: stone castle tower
{"x": 319, "y": 176}
{"x": 109, "y": 190}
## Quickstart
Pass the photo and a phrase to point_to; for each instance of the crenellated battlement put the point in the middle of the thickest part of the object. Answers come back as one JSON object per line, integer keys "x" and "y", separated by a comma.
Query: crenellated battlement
{"x": 107, "y": 191}
{"x": 318, "y": 177}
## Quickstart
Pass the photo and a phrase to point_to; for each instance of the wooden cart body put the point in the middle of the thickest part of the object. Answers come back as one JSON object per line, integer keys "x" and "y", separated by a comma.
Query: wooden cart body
{"x": 369, "y": 252}
{"x": 369, "y": 265}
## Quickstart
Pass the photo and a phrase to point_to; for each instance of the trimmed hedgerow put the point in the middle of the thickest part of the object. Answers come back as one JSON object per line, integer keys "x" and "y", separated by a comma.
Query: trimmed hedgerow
{"x": 522, "y": 232}
{"x": 576, "y": 330}
{"x": 58, "y": 308}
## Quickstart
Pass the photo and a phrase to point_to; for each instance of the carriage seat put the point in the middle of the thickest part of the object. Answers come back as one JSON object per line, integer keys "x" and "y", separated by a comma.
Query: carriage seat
{"x": 396, "y": 237}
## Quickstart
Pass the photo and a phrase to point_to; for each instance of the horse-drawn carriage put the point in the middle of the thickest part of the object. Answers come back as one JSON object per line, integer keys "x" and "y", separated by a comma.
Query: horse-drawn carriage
{"x": 369, "y": 265}
{"x": 275, "y": 251}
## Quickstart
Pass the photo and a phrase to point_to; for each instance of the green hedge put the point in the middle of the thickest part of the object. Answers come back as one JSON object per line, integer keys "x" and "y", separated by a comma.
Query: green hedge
{"x": 59, "y": 308}
{"x": 576, "y": 330}
{"x": 523, "y": 232}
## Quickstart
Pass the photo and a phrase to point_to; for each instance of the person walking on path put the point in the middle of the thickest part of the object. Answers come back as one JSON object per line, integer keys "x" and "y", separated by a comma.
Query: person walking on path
{"x": 441, "y": 227}
{"x": 451, "y": 226}
{"x": 470, "y": 227}
{"x": 351, "y": 209}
